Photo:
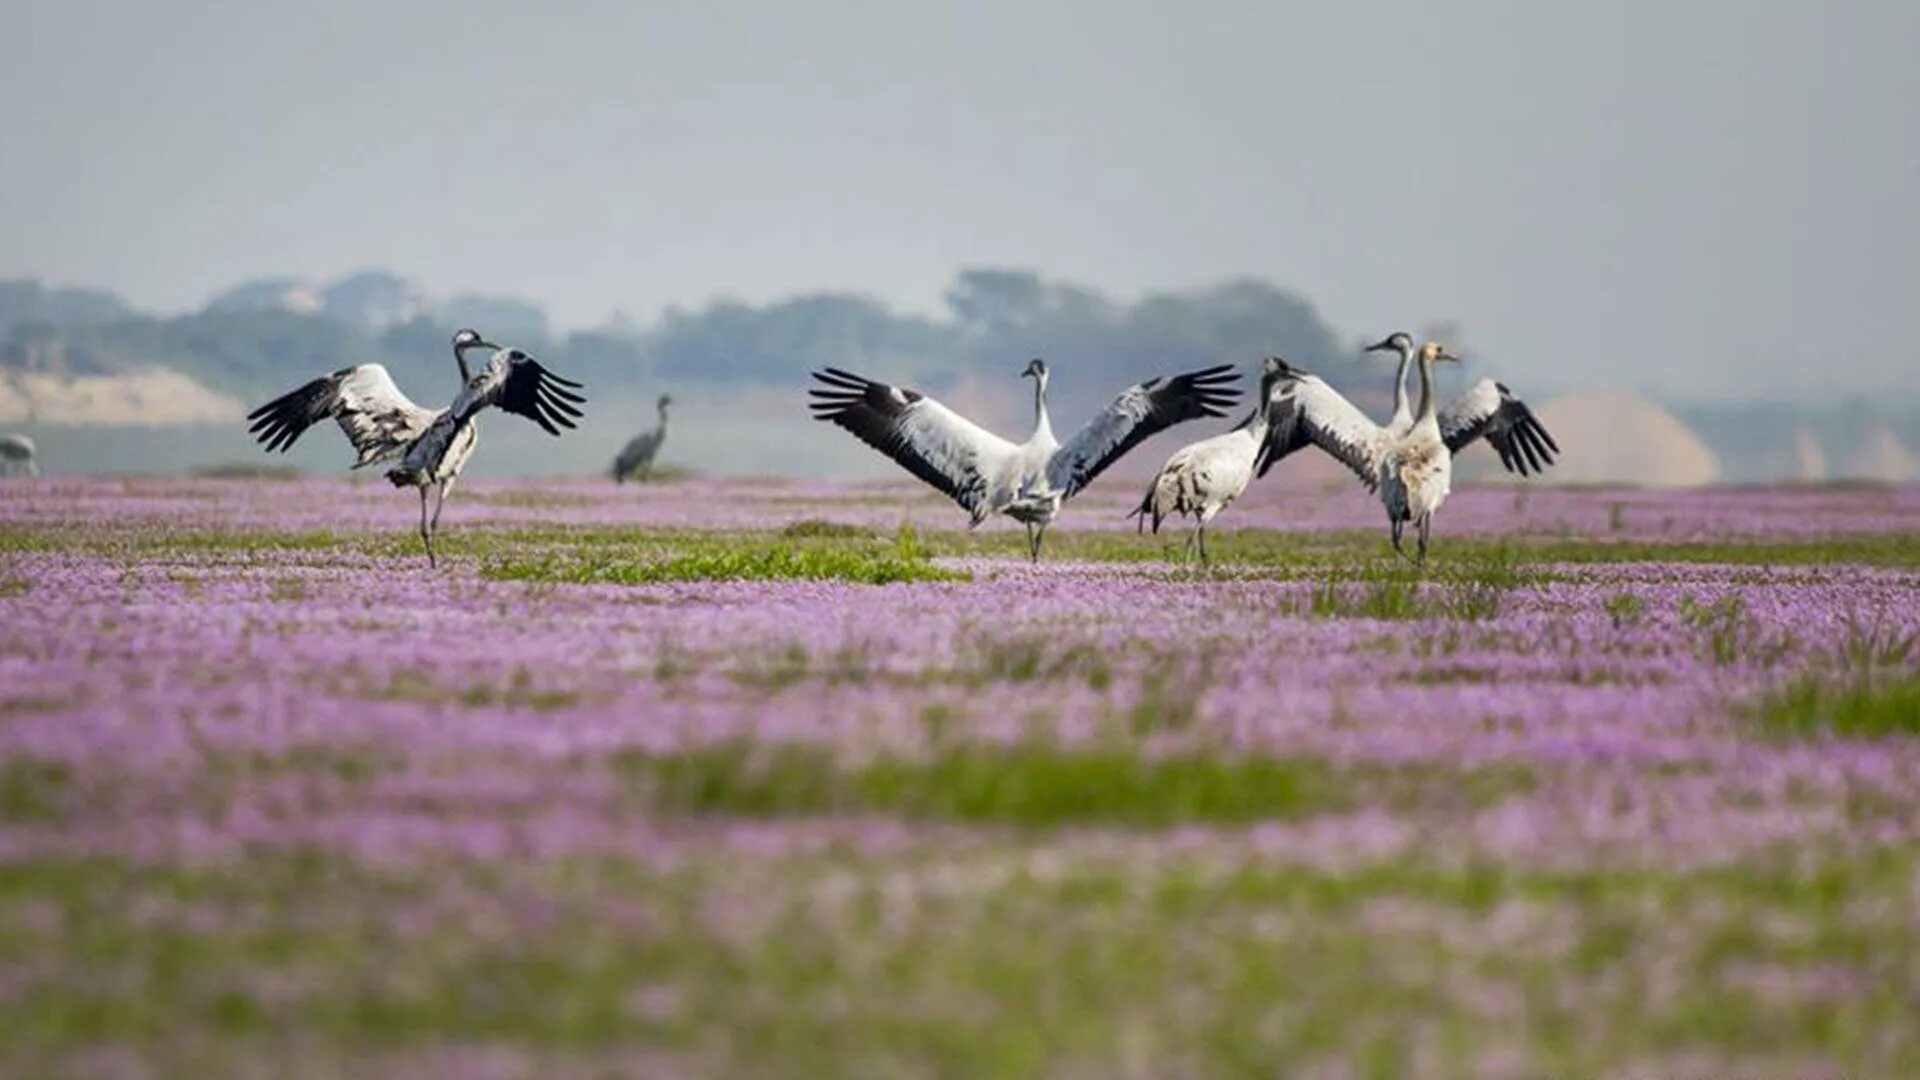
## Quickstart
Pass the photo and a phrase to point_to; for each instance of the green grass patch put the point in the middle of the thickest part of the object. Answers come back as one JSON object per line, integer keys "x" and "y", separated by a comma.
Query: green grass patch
{"x": 1858, "y": 705}
{"x": 33, "y": 789}
{"x": 1471, "y": 589}
{"x": 751, "y": 564}
{"x": 904, "y": 559}
{"x": 1040, "y": 785}
{"x": 822, "y": 529}
{"x": 1303, "y": 552}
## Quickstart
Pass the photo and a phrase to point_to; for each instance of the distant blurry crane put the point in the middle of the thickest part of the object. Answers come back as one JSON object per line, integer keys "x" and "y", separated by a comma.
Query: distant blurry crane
{"x": 19, "y": 455}
{"x": 1411, "y": 468}
{"x": 431, "y": 445}
{"x": 988, "y": 475}
{"x": 636, "y": 458}
{"x": 1202, "y": 478}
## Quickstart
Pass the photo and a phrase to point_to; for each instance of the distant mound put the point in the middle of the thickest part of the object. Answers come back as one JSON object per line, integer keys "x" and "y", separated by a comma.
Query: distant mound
{"x": 1806, "y": 461}
{"x": 1882, "y": 457}
{"x": 155, "y": 397}
{"x": 1623, "y": 438}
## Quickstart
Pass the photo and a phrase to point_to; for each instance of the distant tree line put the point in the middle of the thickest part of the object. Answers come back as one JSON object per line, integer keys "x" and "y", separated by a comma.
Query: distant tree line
{"x": 995, "y": 321}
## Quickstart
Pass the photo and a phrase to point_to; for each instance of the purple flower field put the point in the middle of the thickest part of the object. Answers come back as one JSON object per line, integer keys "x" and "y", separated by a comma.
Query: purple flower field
{"x": 1626, "y": 783}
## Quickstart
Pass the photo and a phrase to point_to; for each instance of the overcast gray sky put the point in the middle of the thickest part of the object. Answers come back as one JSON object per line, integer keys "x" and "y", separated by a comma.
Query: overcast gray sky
{"x": 1678, "y": 192}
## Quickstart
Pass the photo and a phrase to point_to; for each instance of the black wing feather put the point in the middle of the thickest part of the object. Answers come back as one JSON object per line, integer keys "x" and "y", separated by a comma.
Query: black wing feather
{"x": 1515, "y": 433}
{"x": 1139, "y": 413}
{"x": 279, "y": 423}
{"x": 534, "y": 392}
{"x": 870, "y": 411}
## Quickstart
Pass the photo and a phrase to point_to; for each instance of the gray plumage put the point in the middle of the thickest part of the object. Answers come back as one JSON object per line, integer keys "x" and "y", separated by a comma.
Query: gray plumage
{"x": 636, "y": 458}
{"x": 430, "y": 447}
{"x": 19, "y": 455}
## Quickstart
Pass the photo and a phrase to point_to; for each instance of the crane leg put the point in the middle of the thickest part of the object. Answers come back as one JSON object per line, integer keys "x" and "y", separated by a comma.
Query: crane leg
{"x": 1201, "y": 533}
{"x": 1426, "y": 528}
{"x": 1398, "y": 528}
{"x": 426, "y": 526}
{"x": 1039, "y": 537}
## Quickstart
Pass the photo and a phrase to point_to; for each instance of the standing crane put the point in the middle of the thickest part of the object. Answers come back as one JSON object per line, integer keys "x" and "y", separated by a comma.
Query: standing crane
{"x": 989, "y": 475}
{"x": 19, "y": 455}
{"x": 637, "y": 456}
{"x": 1203, "y": 478}
{"x": 1411, "y": 467}
{"x": 1486, "y": 410}
{"x": 431, "y": 446}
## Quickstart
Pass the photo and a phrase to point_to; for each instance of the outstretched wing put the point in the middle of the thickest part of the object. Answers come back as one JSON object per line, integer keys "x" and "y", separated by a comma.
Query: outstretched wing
{"x": 1141, "y": 411}
{"x": 515, "y": 382}
{"x": 1489, "y": 410}
{"x": 379, "y": 420}
{"x": 1305, "y": 411}
{"x": 934, "y": 443}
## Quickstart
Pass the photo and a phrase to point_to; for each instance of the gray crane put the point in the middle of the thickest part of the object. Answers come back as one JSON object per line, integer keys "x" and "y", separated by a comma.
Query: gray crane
{"x": 429, "y": 446}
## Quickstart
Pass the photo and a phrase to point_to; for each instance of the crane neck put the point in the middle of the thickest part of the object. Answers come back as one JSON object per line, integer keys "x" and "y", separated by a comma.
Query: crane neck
{"x": 1401, "y": 413}
{"x": 1042, "y": 425}
{"x": 460, "y": 358}
{"x": 1258, "y": 420}
{"x": 1426, "y": 412}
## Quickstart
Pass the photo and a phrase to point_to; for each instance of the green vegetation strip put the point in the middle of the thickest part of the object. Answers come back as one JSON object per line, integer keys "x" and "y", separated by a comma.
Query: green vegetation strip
{"x": 789, "y": 966}
{"x": 1286, "y": 553}
{"x": 1857, "y": 705}
{"x": 762, "y": 564}
{"x": 1043, "y": 785}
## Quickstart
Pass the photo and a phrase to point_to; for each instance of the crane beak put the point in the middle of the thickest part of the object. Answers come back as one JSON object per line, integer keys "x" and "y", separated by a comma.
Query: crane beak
{"x": 1382, "y": 345}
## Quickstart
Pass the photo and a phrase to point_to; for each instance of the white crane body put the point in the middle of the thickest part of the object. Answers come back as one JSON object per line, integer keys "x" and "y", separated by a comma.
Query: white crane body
{"x": 1203, "y": 478}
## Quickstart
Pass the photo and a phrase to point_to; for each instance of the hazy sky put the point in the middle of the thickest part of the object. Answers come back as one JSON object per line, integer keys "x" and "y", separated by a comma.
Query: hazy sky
{"x": 1676, "y": 193}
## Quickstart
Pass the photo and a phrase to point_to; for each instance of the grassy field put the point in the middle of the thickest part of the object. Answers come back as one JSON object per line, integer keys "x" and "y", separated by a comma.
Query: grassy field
{"x": 843, "y": 791}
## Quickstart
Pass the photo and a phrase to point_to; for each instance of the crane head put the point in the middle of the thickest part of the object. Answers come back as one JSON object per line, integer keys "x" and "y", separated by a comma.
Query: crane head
{"x": 1399, "y": 341}
{"x": 1037, "y": 368}
{"x": 1433, "y": 351}
{"x": 465, "y": 339}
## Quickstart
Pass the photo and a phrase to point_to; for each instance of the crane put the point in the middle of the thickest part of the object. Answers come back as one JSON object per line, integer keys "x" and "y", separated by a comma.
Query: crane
{"x": 637, "y": 456}
{"x": 429, "y": 446}
{"x": 989, "y": 475}
{"x": 1411, "y": 468}
{"x": 1202, "y": 478}
{"x": 1486, "y": 410}
{"x": 19, "y": 455}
